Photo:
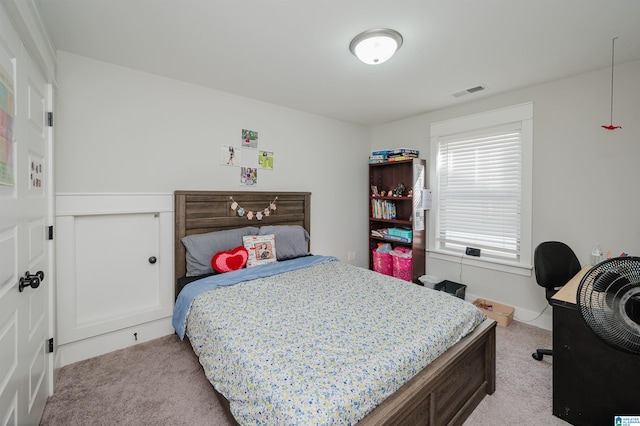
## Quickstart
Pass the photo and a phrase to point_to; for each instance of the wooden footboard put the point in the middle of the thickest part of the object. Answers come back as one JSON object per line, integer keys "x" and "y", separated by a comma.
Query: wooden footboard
{"x": 448, "y": 389}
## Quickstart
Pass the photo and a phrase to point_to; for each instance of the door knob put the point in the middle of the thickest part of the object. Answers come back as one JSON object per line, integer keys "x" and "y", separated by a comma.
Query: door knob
{"x": 152, "y": 260}
{"x": 31, "y": 280}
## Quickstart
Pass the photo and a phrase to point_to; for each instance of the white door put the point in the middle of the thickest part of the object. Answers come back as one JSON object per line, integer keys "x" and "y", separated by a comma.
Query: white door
{"x": 25, "y": 188}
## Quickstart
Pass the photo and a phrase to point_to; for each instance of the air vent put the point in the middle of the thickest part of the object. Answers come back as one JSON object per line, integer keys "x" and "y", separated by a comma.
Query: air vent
{"x": 469, "y": 90}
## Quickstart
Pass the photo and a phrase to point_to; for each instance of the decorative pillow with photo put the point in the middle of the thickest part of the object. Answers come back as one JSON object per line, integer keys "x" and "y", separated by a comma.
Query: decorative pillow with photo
{"x": 261, "y": 248}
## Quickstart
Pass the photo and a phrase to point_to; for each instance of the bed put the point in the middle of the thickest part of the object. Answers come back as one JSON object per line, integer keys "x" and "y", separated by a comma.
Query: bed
{"x": 445, "y": 390}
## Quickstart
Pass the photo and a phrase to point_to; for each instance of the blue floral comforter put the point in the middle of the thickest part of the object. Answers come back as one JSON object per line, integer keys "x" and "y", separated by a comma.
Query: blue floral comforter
{"x": 319, "y": 344}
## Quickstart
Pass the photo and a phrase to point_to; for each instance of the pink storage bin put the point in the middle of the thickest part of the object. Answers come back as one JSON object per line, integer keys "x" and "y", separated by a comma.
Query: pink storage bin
{"x": 402, "y": 266}
{"x": 382, "y": 262}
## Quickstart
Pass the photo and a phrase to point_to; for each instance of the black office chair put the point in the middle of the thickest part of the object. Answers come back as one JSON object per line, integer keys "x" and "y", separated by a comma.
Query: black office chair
{"x": 555, "y": 264}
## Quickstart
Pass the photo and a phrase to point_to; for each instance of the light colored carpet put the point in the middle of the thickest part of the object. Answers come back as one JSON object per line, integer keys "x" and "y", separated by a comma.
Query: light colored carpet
{"x": 523, "y": 385}
{"x": 161, "y": 383}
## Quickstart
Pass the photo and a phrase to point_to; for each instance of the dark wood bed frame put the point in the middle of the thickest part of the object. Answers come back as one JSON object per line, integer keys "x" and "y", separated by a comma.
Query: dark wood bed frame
{"x": 444, "y": 393}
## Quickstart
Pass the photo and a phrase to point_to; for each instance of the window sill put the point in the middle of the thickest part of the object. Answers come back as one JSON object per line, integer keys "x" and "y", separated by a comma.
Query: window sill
{"x": 496, "y": 265}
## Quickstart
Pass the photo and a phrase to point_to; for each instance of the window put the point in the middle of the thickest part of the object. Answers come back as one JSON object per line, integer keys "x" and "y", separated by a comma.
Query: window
{"x": 481, "y": 182}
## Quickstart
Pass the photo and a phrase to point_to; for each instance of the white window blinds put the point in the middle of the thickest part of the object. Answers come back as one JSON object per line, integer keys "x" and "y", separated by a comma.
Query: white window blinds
{"x": 480, "y": 191}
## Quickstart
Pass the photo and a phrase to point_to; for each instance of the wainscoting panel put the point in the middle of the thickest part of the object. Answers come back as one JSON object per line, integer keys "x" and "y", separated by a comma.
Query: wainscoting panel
{"x": 114, "y": 270}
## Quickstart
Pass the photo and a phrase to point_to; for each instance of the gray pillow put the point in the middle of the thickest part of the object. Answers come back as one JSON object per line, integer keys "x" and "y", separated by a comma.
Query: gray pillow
{"x": 291, "y": 240}
{"x": 202, "y": 247}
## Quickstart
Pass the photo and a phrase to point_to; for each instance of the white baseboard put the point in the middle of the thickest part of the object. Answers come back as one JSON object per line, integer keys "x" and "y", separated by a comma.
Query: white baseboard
{"x": 534, "y": 318}
{"x": 109, "y": 342}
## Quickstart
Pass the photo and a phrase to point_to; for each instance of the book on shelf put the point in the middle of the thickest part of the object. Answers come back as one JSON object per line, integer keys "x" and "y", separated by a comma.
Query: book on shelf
{"x": 396, "y": 151}
{"x": 387, "y": 155}
{"x": 401, "y": 232}
{"x": 396, "y": 238}
{"x": 403, "y": 151}
{"x": 399, "y": 158}
{"x": 383, "y": 209}
{"x": 384, "y": 234}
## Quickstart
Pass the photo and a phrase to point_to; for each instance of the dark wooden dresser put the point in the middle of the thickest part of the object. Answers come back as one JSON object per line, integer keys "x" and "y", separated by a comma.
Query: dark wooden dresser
{"x": 592, "y": 382}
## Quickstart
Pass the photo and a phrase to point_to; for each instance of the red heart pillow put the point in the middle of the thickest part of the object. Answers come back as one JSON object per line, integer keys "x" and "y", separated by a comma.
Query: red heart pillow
{"x": 226, "y": 261}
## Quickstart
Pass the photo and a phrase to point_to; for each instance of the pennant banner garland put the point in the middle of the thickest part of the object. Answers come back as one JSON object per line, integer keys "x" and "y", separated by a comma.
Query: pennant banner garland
{"x": 250, "y": 215}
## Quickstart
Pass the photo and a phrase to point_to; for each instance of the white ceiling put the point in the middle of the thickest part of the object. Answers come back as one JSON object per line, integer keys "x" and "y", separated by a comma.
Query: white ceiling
{"x": 295, "y": 53}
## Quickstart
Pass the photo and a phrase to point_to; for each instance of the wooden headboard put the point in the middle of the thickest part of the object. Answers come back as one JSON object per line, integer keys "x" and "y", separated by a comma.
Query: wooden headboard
{"x": 199, "y": 212}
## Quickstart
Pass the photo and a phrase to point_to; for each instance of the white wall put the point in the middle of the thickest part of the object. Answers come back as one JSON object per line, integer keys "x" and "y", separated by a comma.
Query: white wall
{"x": 119, "y": 130}
{"x": 584, "y": 177}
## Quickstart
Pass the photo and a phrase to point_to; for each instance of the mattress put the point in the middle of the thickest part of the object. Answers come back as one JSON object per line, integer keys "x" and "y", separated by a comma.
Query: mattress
{"x": 321, "y": 342}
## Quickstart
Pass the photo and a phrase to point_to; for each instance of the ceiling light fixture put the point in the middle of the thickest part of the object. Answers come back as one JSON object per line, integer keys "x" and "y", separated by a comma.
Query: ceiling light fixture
{"x": 376, "y": 46}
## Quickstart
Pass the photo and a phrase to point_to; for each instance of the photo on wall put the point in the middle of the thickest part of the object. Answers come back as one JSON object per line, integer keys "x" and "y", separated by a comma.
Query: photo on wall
{"x": 265, "y": 158}
{"x": 230, "y": 155}
{"x": 249, "y": 139}
{"x": 248, "y": 176}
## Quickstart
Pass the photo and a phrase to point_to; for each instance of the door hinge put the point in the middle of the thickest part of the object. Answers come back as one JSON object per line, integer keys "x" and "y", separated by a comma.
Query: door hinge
{"x": 50, "y": 119}
{"x": 50, "y": 232}
{"x": 50, "y": 345}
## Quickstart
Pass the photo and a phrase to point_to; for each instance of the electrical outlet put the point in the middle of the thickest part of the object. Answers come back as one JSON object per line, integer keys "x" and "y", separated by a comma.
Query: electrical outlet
{"x": 351, "y": 255}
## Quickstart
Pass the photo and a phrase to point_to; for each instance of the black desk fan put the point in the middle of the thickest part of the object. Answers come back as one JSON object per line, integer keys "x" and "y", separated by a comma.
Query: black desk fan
{"x": 609, "y": 302}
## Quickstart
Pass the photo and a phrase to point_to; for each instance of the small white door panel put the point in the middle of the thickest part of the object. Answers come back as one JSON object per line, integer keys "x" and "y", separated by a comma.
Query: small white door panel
{"x": 114, "y": 278}
{"x": 113, "y": 263}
